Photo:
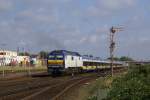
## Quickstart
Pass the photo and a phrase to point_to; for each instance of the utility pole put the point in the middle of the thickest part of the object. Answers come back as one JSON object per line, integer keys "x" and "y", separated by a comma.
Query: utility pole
{"x": 29, "y": 71}
{"x": 113, "y": 30}
{"x": 3, "y": 59}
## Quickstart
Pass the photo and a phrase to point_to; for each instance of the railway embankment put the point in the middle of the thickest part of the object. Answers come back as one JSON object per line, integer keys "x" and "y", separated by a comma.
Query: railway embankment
{"x": 90, "y": 90}
{"x": 133, "y": 85}
{"x": 96, "y": 89}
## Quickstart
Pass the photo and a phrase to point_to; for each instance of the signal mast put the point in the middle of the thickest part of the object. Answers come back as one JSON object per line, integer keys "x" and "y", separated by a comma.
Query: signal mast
{"x": 113, "y": 30}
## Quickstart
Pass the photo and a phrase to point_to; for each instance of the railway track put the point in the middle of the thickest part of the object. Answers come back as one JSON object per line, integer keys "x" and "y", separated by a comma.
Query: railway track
{"x": 56, "y": 92}
{"x": 35, "y": 88}
{"x": 19, "y": 89}
{"x": 44, "y": 88}
{"x": 61, "y": 95}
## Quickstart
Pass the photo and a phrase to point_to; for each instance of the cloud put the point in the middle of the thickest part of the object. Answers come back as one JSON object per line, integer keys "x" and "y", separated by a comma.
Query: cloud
{"x": 116, "y": 4}
{"x": 105, "y": 8}
{"x": 89, "y": 39}
{"x": 75, "y": 25}
{"x": 6, "y": 5}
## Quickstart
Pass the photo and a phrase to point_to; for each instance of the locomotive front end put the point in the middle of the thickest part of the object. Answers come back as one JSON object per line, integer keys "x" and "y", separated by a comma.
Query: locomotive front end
{"x": 55, "y": 63}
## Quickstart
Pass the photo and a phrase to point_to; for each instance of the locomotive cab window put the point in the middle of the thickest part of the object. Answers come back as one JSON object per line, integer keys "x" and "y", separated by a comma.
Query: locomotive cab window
{"x": 59, "y": 57}
{"x": 51, "y": 57}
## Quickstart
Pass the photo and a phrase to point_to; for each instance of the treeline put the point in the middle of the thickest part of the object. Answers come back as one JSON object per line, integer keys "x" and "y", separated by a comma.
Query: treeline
{"x": 123, "y": 58}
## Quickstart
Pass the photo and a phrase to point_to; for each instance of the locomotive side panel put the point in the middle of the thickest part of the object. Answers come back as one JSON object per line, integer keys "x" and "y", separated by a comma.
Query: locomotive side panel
{"x": 73, "y": 61}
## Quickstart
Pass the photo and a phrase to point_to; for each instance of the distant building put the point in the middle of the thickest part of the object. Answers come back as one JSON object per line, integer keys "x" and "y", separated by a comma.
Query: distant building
{"x": 7, "y": 57}
{"x": 34, "y": 60}
{"x": 11, "y": 58}
{"x": 23, "y": 60}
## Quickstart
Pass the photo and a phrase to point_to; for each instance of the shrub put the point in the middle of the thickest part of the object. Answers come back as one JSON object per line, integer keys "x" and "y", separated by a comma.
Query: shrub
{"x": 133, "y": 86}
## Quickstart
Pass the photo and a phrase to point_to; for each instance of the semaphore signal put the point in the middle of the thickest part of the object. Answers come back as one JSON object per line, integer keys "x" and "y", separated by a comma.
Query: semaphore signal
{"x": 113, "y": 30}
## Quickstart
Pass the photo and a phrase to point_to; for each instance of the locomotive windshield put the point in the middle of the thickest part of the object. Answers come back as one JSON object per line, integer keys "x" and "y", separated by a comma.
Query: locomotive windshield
{"x": 59, "y": 57}
{"x": 56, "y": 57}
{"x": 51, "y": 57}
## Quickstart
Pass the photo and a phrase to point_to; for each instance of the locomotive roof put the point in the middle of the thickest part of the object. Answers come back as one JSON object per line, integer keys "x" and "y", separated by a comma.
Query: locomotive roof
{"x": 91, "y": 57}
{"x": 65, "y": 52}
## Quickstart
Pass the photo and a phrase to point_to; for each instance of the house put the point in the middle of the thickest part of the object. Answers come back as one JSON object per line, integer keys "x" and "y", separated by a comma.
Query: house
{"x": 7, "y": 57}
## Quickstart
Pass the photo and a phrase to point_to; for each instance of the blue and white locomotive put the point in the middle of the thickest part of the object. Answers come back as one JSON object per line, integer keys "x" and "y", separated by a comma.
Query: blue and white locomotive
{"x": 62, "y": 61}
{"x": 59, "y": 61}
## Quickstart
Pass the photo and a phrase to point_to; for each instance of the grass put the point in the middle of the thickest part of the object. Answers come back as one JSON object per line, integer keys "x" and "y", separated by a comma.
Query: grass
{"x": 10, "y": 69}
{"x": 99, "y": 89}
{"x": 96, "y": 90}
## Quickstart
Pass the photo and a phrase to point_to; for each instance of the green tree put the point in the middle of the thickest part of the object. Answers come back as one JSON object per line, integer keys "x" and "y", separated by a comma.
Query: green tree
{"x": 43, "y": 54}
{"x": 24, "y": 54}
{"x": 125, "y": 58}
{"x": 115, "y": 58}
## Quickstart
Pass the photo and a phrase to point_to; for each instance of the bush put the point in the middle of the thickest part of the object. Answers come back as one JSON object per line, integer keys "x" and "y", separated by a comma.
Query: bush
{"x": 92, "y": 98}
{"x": 133, "y": 86}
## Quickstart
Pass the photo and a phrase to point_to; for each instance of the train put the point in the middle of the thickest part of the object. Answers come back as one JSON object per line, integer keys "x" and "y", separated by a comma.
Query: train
{"x": 63, "y": 61}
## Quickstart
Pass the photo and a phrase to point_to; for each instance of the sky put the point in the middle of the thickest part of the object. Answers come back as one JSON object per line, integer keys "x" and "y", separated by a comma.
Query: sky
{"x": 76, "y": 25}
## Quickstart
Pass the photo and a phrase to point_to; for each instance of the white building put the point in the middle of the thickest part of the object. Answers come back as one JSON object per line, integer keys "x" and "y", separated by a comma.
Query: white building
{"x": 23, "y": 59}
{"x": 6, "y": 57}
{"x": 11, "y": 58}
